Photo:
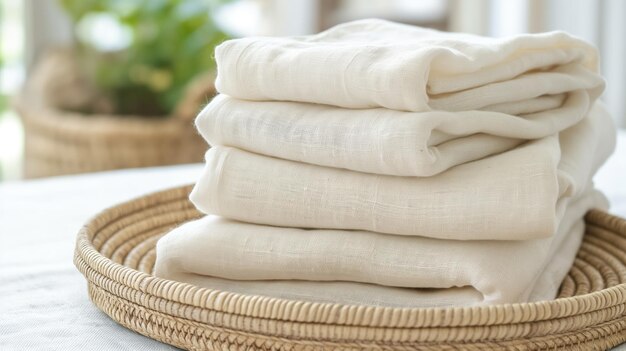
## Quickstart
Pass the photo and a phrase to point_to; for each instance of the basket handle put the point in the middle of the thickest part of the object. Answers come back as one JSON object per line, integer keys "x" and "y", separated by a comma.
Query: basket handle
{"x": 197, "y": 94}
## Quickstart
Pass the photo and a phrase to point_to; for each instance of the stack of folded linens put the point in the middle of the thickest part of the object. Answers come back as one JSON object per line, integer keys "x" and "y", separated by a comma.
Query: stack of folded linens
{"x": 383, "y": 164}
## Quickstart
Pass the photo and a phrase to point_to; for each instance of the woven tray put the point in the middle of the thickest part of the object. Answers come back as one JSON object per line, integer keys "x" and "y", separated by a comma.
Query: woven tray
{"x": 116, "y": 252}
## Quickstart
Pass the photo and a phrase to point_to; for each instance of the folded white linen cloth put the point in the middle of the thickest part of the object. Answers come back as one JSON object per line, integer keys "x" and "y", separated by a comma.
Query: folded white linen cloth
{"x": 380, "y": 141}
{"x": 375, "y": 63}
{"x": 515, "y": 195}
{"x": 369, "y": 268}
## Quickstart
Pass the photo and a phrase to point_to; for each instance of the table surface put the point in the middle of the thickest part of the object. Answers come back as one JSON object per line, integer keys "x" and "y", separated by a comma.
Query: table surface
{"x": 43, "y": 298}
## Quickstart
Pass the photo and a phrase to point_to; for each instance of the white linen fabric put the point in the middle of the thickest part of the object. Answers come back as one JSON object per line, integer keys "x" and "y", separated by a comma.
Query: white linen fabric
{"x": 515, "y": 195}
{"x": 456, "y": 272}
{"x": 381, "y": 141}
{"x": 385, "y": 164}
{"x": 375, "y": 63}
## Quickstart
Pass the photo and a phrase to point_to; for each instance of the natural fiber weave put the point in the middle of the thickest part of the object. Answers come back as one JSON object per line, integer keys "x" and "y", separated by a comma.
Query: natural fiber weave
{"x": 115, "y": 251}
{"x": 60, "y": 142}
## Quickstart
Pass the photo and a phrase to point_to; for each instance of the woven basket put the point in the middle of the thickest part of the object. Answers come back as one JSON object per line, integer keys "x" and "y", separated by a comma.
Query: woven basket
{"x": 60, "y": 142}
{"x": 116, "y": 253}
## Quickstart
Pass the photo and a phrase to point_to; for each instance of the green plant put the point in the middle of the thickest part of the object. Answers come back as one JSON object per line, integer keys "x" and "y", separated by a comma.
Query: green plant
{"x": 170, "y": 42}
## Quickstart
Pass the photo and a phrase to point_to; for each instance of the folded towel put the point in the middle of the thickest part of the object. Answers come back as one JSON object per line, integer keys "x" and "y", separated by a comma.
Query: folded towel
{"x": 214, "y": 252}
{"x": 375, "y": 63}
{"x": 515, "y": 195}
{"x": 378, "y": 140}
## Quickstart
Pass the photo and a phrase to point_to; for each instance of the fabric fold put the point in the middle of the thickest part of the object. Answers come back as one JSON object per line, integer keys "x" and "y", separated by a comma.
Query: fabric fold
{"x": 375, "y": 63}
{"x": 515, "y": 195}
{"x": 292, "y": 262}
{"x": 379, "y": 141}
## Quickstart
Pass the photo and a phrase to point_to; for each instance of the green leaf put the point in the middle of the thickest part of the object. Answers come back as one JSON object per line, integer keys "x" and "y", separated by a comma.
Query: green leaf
{"x": 172, "y": 42}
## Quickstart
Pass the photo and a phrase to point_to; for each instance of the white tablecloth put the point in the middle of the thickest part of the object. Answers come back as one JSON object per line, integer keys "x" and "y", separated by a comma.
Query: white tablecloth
{"x": 43, "y": 298}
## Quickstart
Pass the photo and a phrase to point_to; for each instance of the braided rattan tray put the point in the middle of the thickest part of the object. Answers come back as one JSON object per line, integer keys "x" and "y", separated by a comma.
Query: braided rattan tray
{"x": 115, "y": 252}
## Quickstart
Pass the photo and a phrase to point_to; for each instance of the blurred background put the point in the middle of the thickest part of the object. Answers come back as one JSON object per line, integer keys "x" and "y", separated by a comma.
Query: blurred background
{"x": 91, "y": 85}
